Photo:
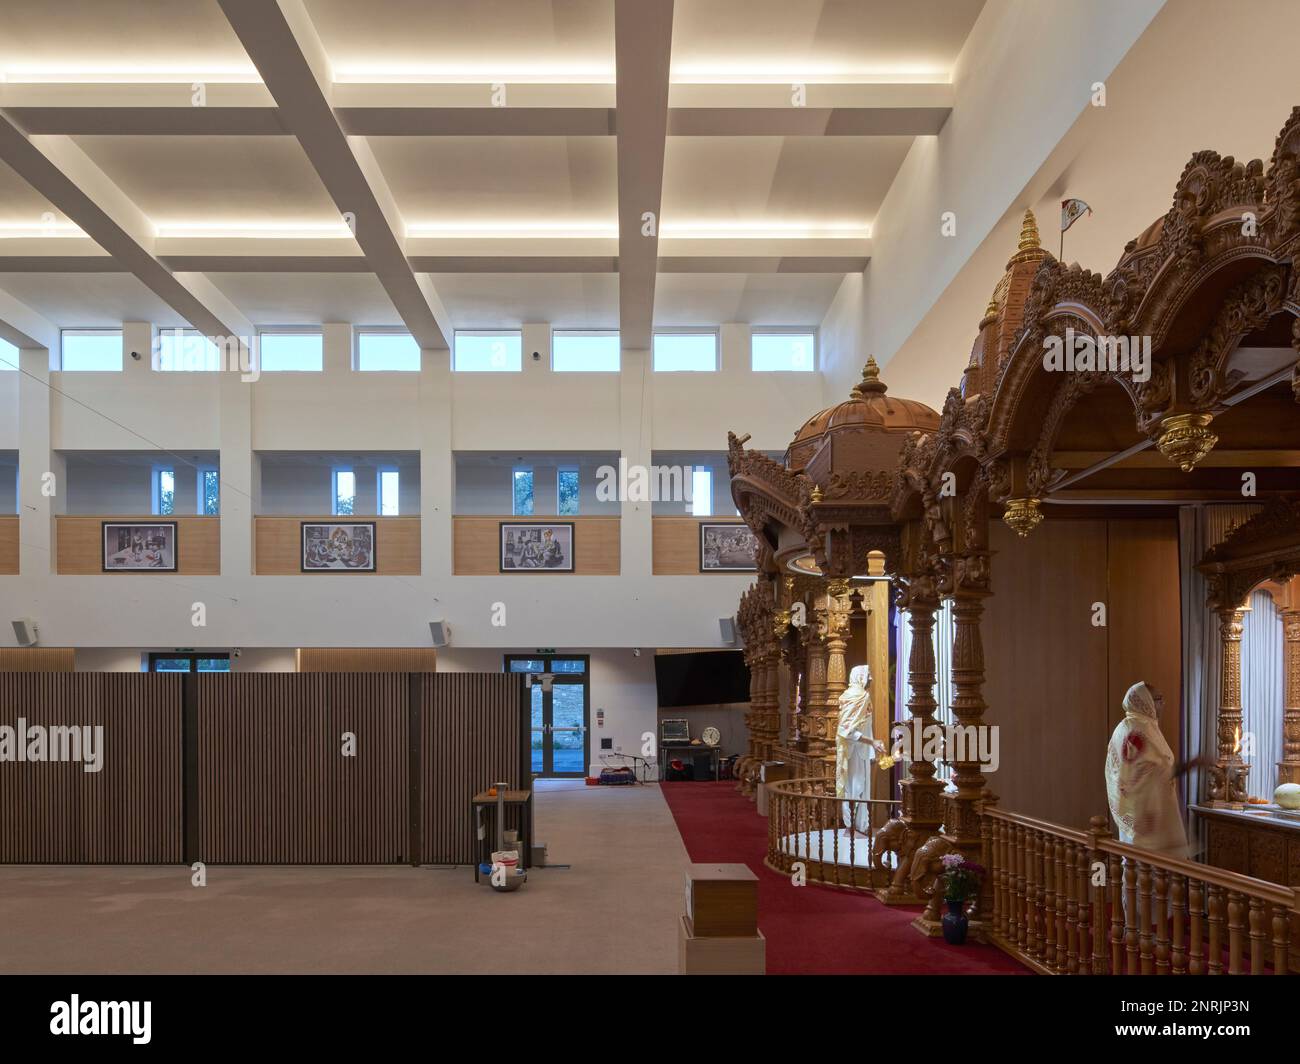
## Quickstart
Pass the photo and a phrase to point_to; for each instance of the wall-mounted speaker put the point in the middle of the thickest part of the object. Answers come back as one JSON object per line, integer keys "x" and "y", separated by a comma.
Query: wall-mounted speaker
{"x": 26, "y": 633}
{"x": 727, "y": 626}
{"x": 441, "y": 632}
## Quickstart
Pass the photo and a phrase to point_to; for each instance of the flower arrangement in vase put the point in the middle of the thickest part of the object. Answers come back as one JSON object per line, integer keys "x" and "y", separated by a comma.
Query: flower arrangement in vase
{"x": 961, "y": 881}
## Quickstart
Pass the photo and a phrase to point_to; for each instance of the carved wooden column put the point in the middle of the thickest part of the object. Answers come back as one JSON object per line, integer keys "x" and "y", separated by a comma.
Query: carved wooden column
{"x": 767, "y": 718}
{"x": 839, "y": 607}
{"x": 962, "y": 813}
{"x": 812, "y": 723}
{"x": 1288, "y": 769}
{"x": 788, "y": 663}
{"x": 920, "y": 791}
{"x": 1227, "y": 778}
{"x": 745, "y": 765}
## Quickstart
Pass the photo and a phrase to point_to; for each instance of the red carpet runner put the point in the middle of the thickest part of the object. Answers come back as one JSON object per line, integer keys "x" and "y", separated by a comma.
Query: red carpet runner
{"x": 816, "y": 930}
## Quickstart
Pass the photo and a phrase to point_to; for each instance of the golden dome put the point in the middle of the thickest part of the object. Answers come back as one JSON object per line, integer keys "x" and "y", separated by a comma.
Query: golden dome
{"x": 868, "y": 411}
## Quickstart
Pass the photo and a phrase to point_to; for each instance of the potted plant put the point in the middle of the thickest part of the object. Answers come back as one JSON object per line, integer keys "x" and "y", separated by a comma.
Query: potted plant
{"x": 961, "y": 882}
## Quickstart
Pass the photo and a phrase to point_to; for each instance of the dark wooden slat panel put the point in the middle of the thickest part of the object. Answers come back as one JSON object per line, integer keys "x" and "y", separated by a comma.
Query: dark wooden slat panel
{"x": 471, "y": 736}
{"x": 274, "y": 786}
{"x": 129, "y": 812}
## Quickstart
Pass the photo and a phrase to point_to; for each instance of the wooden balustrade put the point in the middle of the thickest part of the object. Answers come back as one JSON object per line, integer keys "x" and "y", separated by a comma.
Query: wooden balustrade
{"x": 806, "y": 825}
{"x": 1080, "y": 902}
{"x": 802, "y": 765}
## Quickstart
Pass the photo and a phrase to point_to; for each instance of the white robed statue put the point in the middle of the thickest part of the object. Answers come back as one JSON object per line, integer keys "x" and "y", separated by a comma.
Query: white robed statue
{"x": 1140, "y": 771}
{"x": 856, "y": 749}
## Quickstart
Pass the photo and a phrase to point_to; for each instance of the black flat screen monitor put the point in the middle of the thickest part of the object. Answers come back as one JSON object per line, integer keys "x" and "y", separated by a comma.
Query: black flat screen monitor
{"x": 701, "y": 679}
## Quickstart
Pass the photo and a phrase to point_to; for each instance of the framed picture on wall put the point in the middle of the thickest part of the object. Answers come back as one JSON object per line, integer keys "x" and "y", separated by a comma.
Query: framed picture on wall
{"x": 138, "y": 548}
{"x": 338, "y": 547}
{"x": 536, "y": 548}
{"x": 729, "y": 548}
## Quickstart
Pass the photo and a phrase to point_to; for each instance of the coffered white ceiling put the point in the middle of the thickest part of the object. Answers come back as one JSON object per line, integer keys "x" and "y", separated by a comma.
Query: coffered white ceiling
{"x": 497, "y": 214}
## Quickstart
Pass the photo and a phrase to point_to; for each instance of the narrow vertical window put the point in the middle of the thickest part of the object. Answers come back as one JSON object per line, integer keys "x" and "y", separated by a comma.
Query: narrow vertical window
{"x": 566, "y": 491}
{"x": 345, "y": 492}
{"x": 209, "y": 492}
{"x": 164, "y": 495}
{"x": 523, "y": 493}
{"x": 389, "y": 486}
{"x": 702, "y": 492}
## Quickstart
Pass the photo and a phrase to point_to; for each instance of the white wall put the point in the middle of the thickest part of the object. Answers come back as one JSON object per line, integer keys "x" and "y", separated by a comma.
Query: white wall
{"x": 715, "y": 461}
{"x": 122, "y": 482}
{"x": 9, "y": 410}
{"x": 1023, "y": 77}
{"x": 291, "y": 485}
{"x": 623, "y": 685}
{"x": 485, "y": 487}
{"x": 434, "y": 413}
{"x": 1123, "y": 159}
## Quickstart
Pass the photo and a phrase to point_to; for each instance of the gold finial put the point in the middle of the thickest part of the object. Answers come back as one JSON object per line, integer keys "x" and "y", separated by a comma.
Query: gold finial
{"x": 816, "y": 495}
{"x": 1023, "y": 515}
{"x": 1029, "y": 249}
{"x": 871, "y": 382}
{"x": 1185, "y": 439}
{"x": 1028, "y": 232}
{"x": 990, "y": 312}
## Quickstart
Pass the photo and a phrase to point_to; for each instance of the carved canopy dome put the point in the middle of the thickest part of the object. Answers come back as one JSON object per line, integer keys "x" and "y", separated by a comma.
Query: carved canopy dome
{"x": 862, "y": 434}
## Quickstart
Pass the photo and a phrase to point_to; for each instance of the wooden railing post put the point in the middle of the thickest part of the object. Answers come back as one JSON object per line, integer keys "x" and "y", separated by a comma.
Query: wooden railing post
{"x": 1096, "y": 878}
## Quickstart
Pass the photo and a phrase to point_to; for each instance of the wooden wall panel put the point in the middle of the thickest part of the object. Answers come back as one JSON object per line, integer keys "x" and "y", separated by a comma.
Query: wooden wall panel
{"x": 80, "y": 552}
{"x": 1146, "y": 617}
{"x": 471, "y": 735}
{"x": 38, "y": 659}
{"x": 273, "y": 784}
{"x": 1046, "y": 669}
{"x": 1055, "y": 682}
{"x": 477, "y": 545}
{"x": 130, "y": 811}
{"x": 367, "y": 659}
{"x": 8, "y": 546}
{"x": 277, "y": 546}
{"x": 677, "y": 544}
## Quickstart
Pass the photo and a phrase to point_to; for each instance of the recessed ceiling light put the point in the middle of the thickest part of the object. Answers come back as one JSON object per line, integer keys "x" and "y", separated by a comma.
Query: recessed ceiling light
{"x": 13, "y": 230}
{"x": 777, "y": 73}
{"x": 128, "y": 74}
{"x": 382, "y": 73}
{"x": 255, "y": 229}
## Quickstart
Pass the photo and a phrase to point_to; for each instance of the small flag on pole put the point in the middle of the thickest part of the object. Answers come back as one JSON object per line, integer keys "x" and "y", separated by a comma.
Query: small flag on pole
{"x": 1071, "y": 211}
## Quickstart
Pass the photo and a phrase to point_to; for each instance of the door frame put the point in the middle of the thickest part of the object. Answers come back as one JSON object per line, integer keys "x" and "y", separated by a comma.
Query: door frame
{"x": 583, "y": 680}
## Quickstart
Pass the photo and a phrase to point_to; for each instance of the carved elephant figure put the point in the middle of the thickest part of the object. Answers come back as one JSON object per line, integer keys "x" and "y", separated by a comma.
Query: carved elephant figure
{"x": 926, "y": 866}
{"x": 892, "y": 838}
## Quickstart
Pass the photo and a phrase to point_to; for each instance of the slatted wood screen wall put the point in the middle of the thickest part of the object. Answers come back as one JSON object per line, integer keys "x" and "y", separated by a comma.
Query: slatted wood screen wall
{"x": 249, "y": 768}
{"x": 274, "y": 786}
{"x": 472, "y": 734}
{"x": 129, "y": 812}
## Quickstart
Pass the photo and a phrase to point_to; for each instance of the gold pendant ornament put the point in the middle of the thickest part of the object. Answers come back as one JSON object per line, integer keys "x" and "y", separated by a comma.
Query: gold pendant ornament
{"x": 1023, "y": 515}
{"x": 1185, "y": 439}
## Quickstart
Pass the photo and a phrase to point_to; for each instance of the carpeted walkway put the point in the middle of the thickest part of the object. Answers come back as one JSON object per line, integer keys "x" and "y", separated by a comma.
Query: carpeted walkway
{"x": 815, "y": 929}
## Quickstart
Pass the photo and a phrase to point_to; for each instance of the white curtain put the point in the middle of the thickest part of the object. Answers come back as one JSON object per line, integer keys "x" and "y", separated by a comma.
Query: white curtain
{"x": 1261, "y": 691}
{"x": 943, "y": 692}
{"x": 1199, "y": 528}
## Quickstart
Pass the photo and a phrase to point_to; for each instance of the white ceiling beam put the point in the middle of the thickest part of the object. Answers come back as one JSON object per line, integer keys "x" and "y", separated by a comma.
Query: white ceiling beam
{"x": 643, "y": 37}
{"x": 284, "y": 47}
{"x": 24, "y": 327}
{"x": 61, "y": 172}
{"x": 483, "y": 121}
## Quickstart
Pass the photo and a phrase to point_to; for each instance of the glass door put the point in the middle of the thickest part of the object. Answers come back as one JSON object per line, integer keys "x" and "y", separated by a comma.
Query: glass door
{"x": 560, "y": 716}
